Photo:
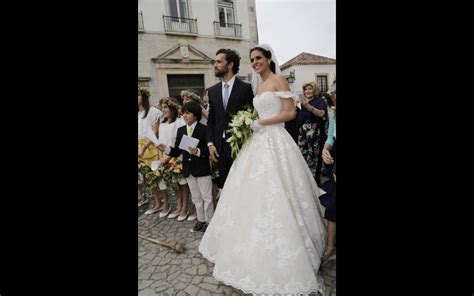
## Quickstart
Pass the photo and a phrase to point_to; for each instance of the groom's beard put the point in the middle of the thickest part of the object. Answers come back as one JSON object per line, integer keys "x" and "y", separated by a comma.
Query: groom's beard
{"x": 221, "y": 73}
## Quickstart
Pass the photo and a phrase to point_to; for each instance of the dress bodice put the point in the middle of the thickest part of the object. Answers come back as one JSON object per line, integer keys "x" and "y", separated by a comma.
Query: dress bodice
{"x": 268, "y": 104}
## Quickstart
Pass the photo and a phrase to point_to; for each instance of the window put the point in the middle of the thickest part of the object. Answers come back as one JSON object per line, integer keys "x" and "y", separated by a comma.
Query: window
{"x": 226, "y": 13}
{"x": 179, "y": 21}
{"x": 179, "y": 9}
{"x": 322, "y": 81}
{"x": 141, "y": 27}
{"x": 226, "y": 26}
{"x": 177, "y": 83}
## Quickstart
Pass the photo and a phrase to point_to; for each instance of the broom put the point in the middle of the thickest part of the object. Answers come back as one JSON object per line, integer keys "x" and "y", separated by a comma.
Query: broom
{"x": 177, "y": 246}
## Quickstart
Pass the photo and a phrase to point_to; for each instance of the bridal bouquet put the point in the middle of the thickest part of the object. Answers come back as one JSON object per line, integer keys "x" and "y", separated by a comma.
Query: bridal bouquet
{"x": 240, "y": 129}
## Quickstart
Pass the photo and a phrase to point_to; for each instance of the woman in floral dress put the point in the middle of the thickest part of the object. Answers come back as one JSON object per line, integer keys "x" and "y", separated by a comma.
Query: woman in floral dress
{"x": 310, "y": 122}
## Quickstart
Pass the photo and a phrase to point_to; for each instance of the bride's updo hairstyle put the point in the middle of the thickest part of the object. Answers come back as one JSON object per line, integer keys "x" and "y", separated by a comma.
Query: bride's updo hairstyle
{"x": 267, "y": 54}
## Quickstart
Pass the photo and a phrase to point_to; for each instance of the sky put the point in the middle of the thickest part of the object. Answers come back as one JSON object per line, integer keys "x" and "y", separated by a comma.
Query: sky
{"x": 291, "y": 27}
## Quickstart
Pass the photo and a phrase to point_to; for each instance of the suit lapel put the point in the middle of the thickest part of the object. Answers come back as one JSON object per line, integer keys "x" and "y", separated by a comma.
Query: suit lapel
{"x": 196, "y": 130}
{"x": 219, "y": 98}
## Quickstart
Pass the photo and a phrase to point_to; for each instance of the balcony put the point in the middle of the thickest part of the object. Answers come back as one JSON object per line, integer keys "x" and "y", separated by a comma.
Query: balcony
{"x": 141, "y": 27}
{"x": 228, "y": 30}
{"x": 180, "y": 25}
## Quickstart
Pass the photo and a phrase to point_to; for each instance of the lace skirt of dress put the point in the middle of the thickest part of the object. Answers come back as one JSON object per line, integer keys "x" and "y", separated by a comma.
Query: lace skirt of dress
{"x": 267, "y": 234}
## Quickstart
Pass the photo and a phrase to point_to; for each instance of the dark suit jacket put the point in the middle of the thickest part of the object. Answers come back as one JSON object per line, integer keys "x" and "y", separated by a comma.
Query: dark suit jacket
{"x": 192, "y": 164}
{"x": 219, "y": 119}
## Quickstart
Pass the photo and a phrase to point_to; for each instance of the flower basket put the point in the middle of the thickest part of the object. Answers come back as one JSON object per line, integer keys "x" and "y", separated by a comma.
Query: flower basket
{"x": 171, "y": 173}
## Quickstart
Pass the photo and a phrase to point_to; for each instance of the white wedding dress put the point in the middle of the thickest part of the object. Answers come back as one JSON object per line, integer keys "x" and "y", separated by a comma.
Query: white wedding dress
{"x": 267, "y": 235}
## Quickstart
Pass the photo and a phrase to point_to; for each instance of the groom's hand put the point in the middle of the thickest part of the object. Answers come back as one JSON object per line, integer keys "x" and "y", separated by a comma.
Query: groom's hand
{"x": 213, "y": 153}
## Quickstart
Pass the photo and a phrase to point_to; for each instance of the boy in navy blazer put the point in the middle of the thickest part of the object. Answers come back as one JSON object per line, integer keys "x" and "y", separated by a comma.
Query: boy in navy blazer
{"x": 196, "y": 168}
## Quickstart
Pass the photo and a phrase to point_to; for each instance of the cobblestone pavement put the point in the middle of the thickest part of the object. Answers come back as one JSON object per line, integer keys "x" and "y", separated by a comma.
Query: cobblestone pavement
{"x": 161, "y": 271}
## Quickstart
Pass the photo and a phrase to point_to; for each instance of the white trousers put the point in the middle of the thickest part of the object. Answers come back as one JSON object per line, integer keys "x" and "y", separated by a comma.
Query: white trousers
{"x": 201, "y": 195}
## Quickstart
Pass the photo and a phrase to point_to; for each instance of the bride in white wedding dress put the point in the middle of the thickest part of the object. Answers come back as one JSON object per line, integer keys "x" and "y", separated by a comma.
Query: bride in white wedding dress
{"x": 267, "y": 235}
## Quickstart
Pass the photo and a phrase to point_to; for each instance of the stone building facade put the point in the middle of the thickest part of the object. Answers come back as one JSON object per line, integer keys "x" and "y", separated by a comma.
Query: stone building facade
{"x": 178, "y": 39}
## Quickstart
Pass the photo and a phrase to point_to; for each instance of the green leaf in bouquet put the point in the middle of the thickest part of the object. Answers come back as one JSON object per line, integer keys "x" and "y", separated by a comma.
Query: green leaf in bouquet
{"x": 234, "y": 151}
{"x": 254, "y": 114}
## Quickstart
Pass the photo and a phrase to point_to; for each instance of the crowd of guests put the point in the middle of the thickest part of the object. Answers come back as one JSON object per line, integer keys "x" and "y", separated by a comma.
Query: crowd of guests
{"x": 161, "y": 128}
{"x": 285, "y": 179}
{"x": 311, "y": 129}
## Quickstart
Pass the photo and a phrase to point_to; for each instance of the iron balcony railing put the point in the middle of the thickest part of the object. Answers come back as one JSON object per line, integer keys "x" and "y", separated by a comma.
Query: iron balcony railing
{"x": 228, "y": 29}
{"x": 180, "y": 24}
{"x": 141, "y": 27}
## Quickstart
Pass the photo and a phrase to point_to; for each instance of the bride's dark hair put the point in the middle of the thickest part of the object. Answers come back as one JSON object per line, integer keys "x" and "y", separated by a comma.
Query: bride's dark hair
{"x": 267, "y": 54}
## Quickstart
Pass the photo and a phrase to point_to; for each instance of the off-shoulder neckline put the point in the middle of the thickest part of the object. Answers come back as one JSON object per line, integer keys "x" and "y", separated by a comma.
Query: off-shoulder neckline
{"x": 270, "y": 91}
{"x": 263, "y": 93}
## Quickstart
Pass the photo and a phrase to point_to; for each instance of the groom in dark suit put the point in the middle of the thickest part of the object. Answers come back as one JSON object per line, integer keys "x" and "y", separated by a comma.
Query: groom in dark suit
{"x": 226, "y": 98}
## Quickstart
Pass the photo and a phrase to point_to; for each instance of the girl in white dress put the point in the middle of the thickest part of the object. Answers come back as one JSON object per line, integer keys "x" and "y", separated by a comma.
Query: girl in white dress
{"x": 267, "y": 234}
{"x": 148, "y": 125}
{"x": 168, "y": 131}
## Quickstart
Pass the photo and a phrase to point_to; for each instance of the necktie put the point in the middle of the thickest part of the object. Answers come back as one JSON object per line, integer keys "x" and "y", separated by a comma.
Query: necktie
{"x": 226, "y": 95}
{"x": 190, "y": 131}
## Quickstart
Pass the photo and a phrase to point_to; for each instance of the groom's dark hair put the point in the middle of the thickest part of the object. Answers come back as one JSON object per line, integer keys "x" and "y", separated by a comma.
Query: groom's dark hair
{"x": 231, "y": 56}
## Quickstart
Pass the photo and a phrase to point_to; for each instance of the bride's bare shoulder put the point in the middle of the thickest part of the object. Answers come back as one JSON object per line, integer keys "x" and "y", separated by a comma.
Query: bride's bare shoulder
{"x": 280, "y": 83}
{"x": 278, "y": 78}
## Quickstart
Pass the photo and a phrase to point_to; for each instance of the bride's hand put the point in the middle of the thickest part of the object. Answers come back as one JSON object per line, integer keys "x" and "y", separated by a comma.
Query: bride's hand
{"x": 255, "y": 126}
